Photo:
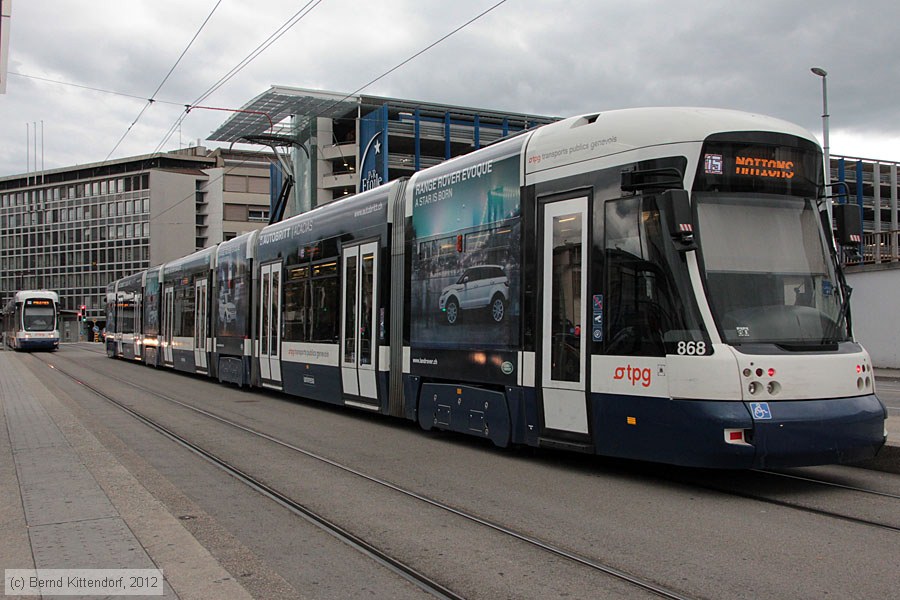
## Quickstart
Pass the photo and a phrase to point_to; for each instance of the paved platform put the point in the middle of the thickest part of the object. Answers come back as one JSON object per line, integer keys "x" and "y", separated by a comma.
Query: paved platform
{"x": 67, "y": 503}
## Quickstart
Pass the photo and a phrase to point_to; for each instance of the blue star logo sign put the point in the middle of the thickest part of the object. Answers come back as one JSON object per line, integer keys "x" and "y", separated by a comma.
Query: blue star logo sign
{"x": 378, "y": 147}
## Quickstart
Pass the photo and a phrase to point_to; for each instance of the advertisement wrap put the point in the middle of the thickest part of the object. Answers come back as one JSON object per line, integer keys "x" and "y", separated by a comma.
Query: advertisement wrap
{"x": 233, "y": 284}
{"x": 466, "y": 271}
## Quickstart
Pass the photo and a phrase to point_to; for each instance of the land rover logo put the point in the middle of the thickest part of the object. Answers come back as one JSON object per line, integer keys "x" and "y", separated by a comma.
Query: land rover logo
{"x": 507, "y": 368}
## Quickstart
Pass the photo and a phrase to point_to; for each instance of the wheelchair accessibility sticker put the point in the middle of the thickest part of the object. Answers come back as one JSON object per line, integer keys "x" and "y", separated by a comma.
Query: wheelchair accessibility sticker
{"x": 760, "y": 411}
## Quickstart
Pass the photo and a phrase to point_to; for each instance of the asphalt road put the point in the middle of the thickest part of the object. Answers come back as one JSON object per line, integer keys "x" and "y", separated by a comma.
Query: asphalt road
{"x": 635, "y": 517}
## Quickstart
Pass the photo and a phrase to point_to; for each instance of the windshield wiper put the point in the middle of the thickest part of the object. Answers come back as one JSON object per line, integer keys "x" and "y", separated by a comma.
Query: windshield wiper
{"x": 834, "y": 328}
{"x": 845, "y": 289}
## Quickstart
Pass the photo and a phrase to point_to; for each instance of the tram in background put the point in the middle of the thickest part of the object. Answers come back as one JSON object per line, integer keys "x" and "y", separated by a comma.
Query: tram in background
{"x": 655, "y": 284}
{"x": 31, "y": 320}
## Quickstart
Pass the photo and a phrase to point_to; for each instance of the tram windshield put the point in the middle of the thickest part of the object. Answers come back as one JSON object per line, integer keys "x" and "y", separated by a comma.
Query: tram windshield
{"x": 769, "y": 275}
{"x": 39, "y": 318}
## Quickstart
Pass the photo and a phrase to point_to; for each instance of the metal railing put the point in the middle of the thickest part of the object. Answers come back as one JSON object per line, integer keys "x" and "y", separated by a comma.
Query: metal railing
{"x": 877, "y": 248}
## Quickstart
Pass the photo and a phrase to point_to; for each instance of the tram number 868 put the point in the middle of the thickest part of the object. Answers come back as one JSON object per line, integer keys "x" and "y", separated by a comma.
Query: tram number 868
{"x": 691, "y": 348}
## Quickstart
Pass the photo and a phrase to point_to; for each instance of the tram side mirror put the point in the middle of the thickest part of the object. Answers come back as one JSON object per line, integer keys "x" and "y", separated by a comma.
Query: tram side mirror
{"x": 677, "y": 206}
{"x": 846, "y": 217}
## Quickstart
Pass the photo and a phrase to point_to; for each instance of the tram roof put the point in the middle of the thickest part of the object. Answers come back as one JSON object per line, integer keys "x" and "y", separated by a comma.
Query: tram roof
{"x": 639, "y": 127}
{"x": 611, "y": 132}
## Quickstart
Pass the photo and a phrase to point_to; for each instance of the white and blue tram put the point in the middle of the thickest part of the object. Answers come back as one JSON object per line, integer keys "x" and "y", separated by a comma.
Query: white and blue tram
{"x": 656, "y": 284}
{"x": 31, "y": 320}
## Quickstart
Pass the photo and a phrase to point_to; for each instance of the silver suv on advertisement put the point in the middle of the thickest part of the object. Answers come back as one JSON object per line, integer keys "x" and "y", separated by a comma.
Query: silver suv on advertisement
{"x": 478, "y": 287}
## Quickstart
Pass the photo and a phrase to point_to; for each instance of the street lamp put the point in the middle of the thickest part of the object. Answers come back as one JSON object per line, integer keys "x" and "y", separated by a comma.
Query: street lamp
{"x": 824, "y": 75}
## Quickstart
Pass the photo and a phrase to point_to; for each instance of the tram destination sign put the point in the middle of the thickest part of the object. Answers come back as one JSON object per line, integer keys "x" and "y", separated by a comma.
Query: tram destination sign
{"x": 773, "y": 168}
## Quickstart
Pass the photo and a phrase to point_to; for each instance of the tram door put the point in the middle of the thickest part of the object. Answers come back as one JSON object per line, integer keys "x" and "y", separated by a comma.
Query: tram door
{"x": 564, "y": 308}
{"x": 201, "y": 320}
{"x": 168, "y": 329}
{"x": 122, "y": 338}
{"x": 270, "y": 325}
{"x": 358, "y": 320}
{"x": 138, "y": 336}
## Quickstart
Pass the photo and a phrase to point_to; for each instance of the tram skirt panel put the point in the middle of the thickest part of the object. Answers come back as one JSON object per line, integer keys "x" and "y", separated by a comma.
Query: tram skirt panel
{"x": 465, "y": 409}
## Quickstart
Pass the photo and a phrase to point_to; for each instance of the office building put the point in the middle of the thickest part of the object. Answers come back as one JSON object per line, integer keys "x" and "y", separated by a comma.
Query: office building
{"x": 74, "y": 229}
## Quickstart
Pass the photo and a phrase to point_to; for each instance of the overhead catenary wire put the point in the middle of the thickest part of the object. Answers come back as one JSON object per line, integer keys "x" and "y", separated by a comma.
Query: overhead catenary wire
{"x": 296, "y": 18}
{"x": 358, "y": 90}
{"x": 411, "y": 58}
{"x": 152, "y": 98}
{"x": 280, "y": 31}
{"x": 243, "y": 63}
{"x": 93, "y": 89}
{"x": 262, "y": 47}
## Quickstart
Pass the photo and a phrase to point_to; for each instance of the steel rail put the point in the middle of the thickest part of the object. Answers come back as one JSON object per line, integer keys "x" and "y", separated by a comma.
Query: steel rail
{"x": 530, "y": 540}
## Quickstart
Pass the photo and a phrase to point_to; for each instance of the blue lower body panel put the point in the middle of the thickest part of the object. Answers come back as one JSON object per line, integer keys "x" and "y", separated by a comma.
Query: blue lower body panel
{"x": 692, "y": 432}
{"x": 40, "y": 344}
{"x": 811, "y": 432}
{"x": 681, "y": 432}
{"x": 465, "y": 409}
{"x": 316, "y": 382}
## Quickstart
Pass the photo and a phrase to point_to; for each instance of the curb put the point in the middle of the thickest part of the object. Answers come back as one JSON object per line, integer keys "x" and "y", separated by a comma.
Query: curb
{"x": 887, "y": 460}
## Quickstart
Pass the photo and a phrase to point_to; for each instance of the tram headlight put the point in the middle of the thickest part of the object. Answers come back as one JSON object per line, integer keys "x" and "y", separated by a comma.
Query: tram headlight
{"x": 753, "y": 388}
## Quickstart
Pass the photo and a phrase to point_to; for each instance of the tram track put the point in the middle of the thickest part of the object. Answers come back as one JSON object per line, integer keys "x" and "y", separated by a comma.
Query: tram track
{"x": 831, "y": 484}
{"x": 801, "y": 507}
{"x": 687, "y": 480}
{"x": 397, "y": 566}
{"x": 400, "y": 568}
{"x": 744, "y": 489}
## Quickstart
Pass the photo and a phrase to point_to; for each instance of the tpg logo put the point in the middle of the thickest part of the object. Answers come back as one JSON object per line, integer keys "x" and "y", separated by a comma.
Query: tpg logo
{"x": 634, "y": 375}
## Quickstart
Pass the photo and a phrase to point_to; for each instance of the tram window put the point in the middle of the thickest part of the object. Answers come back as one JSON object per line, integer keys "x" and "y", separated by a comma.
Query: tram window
{"x": 151, "y": 312}
{"x": 350, "y": 310}
{"x": 312, "y": 303}
{"x": 110, "y": 317}
{"x": 565, "y": 290}
{"x": 183, "y": 325}
{"x": 767, "y": 270}
{"x": 325, "y": 300}
{"x": 126, "y": 314}
{"x": 39, "y": 318}
{"x": 264, "y": 324}
{"x": 296, "y": 305}
{"x": 365, "y": 326}
{"x": 648, "y": 298}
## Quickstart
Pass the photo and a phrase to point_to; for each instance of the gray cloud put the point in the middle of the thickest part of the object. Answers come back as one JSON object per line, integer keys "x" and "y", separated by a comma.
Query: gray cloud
{"x": 546, "y": 57}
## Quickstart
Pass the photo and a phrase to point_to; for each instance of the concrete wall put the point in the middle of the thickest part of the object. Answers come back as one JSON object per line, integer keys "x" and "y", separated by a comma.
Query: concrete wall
{"x": 215, "y": 203}
{"x": 172, "y": 214}
{"x": 873, "y": 305}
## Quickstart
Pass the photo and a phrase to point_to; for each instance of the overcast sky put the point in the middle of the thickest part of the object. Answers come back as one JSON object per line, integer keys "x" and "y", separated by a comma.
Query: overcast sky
{"x": 531, "y": 56}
